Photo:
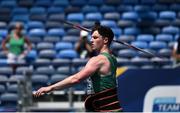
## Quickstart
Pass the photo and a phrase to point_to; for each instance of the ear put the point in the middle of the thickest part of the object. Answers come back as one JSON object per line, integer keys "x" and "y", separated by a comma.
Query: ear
{"x": 106, "y": 40}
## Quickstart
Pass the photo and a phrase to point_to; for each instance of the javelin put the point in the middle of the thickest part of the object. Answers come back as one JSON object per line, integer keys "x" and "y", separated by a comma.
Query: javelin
{"x": 77, "y": 26}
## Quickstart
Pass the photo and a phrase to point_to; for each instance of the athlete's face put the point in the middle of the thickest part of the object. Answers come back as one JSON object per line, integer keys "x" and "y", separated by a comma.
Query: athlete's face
{"x": 18, "y": 28}
{"x": 96, "y": 41}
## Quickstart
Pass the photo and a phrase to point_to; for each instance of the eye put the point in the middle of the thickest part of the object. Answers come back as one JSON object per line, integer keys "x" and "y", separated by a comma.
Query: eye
{"x": 95, "y": 37}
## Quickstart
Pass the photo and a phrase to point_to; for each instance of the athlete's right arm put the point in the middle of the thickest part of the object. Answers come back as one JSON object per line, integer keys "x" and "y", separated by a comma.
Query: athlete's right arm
{"x": 5, "y": 49}
{"x": 93, "y": 64}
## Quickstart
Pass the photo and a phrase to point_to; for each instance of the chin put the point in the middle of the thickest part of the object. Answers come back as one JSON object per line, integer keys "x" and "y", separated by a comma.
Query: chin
{"x": 93, "y": 49}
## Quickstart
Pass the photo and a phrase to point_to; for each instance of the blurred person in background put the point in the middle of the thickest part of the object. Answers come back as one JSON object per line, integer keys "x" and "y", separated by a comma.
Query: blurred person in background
{"x": 102, "y": 71}
{"x": 176, "y": 53}
{"x": 14, "y": 46}
{"x": 83, "y": 47}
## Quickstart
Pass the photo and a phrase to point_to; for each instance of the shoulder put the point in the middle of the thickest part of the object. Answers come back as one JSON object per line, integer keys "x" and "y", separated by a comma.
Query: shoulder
{"x": 8, "y": 37}
{"x": 99, "y": 59}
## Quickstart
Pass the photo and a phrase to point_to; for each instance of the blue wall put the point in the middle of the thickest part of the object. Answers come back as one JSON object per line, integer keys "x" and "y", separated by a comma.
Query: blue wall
{"x": 133, "y": 84}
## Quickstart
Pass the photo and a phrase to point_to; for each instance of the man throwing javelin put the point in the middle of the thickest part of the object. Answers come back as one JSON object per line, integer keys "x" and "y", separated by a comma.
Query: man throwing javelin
{"x": 102, "y": 71}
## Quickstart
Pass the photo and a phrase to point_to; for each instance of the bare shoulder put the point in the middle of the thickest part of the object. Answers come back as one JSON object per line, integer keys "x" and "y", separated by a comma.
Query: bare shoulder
{"x": 7, "y": 38}
{"x": 98, "y": 60}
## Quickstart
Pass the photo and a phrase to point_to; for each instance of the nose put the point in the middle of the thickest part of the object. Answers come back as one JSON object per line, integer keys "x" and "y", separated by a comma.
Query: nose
{"x": 91, "y": 40}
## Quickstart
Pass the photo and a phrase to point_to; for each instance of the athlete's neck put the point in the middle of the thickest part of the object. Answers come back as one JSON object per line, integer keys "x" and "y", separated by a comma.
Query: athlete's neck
{"x": 104, "y": 49}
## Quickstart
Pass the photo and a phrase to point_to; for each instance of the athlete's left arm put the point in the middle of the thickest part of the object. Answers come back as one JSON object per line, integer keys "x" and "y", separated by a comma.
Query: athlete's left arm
{"x": 29, "y": 46}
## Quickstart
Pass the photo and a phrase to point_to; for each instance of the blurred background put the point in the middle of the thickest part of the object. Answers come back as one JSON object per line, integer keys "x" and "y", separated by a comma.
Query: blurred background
{"x": 152, "y": 25}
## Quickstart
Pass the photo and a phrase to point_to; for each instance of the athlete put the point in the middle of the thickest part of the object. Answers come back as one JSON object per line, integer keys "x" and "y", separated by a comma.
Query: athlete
{"x": 102, "y": 71}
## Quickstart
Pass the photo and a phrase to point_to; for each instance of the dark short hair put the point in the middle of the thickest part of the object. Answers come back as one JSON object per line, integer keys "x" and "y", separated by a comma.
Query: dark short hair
{"x": 104, "y": 31}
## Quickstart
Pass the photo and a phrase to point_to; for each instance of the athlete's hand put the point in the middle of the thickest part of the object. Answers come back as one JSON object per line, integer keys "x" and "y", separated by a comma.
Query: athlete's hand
{"x": 42, "y": 91}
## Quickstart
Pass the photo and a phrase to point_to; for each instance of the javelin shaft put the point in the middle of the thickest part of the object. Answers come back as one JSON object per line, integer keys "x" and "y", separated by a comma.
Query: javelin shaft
{"x": 77, "y": 26}
{"x": 134, "y": 47}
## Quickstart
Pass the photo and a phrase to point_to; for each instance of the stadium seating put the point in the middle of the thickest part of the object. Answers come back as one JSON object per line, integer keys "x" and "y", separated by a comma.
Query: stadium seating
{"x": 170, "y": 30}
{"x": 106, "y": 8}
{"x": 43, "y": 3}
{"x": 167, "y": 15}
{"x": 138, "y": 61}
{"x": 35, "y": 24}
{"x": 2, "y": 89}
{"x": 145, "y": 37}
{"x": 57, "y": 32}
{"x": 130, "y": 1}
{"x": 45, "y": 70}
{"x": 20, "y": 70}
{"x": 94, "y": 2}
{"x": 77, "y": 62}
{"x": 140, "y": 44}
{"x": 13, "y": 88}
{"x": 3, "y": 25}
{"x": 51, "y": 39}
{"x": 7, "y": 3}
{"x": 57, "y": 77}
{"x": 93, "y": 16}
{"x": 17, "y": 77}
{"x": 131, "y": 31}
{"x": 127, "y": 53}
{"x": 61, "y": 62}
{"x": 62, "y": 3}
{"x": 156, "y": 45}
{"x": 164, "y": 37}
{"x": 125, "y": 23}
{"x": 23, "y": 3}
{"x": 89, "y": 9}
{"x": 37, "y": 32}
{"x": 75, "y": 17}
{"x": 66, "y": 70}
{"x": 70, "y": 38}
{"x": 39, "y": 80}
{"x": 121, "y": 61}
{"x": 41, "y": 62}
{"x": 67, "y": 54}
{"x": 9, "y": 102}
{"x": 6, "y": 70}
{"x": 165, "y": 53}
{"x": 133, "y": 16}
{"x": 112, "y": 16}
{"x": 124, "y": 8}
{"x": 79, "y": 3}
{"x": 63, "y": 45}
{"x": 152, "y": 25}
{"x": 44, "y": 45}
{"x": 54, "y": 10}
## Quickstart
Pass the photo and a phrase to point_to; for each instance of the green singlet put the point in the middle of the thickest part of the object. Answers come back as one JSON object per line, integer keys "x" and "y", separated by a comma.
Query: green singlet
{"x": 16, "y": 46}
{"x": 101, "y": 82}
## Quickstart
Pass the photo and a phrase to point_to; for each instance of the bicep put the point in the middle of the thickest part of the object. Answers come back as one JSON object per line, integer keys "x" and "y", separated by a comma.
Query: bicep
{"x": 6, "y": 40}
{"x": 89, "y": 69}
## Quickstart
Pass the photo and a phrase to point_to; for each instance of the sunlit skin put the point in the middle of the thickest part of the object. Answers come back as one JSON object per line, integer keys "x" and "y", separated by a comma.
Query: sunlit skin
{"x": 98, "y": 63}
